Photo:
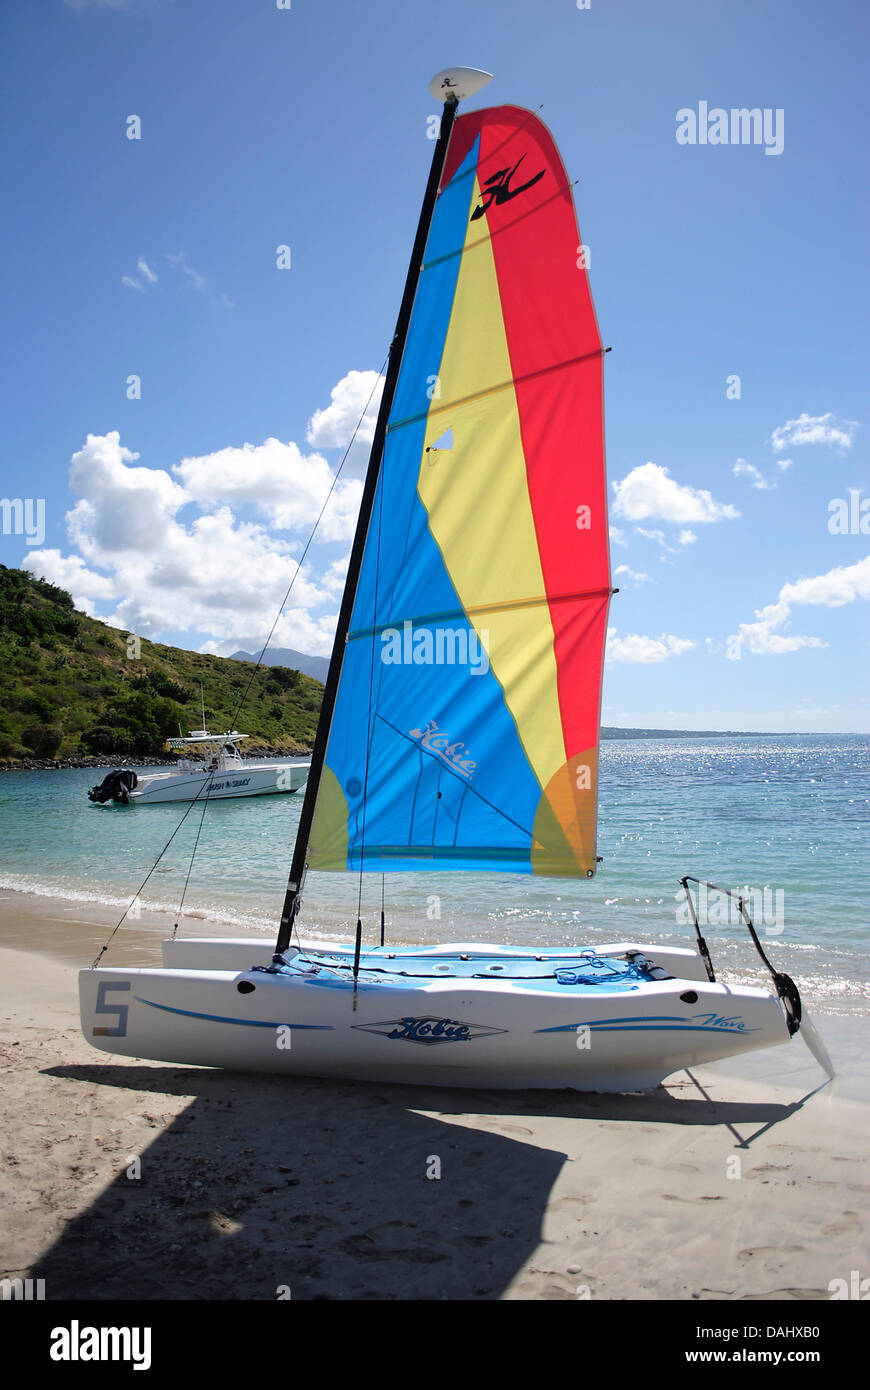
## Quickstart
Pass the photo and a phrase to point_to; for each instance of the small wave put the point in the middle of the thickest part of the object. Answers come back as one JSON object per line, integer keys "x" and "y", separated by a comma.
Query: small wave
{"x": 224, "y": 916}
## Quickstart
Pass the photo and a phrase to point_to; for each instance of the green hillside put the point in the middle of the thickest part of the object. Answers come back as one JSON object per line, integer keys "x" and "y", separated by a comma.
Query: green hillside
{"x": 68, "y": 686}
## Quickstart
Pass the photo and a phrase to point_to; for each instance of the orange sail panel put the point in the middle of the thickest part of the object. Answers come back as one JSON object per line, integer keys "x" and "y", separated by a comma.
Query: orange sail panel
{"x": 466, "y": 726}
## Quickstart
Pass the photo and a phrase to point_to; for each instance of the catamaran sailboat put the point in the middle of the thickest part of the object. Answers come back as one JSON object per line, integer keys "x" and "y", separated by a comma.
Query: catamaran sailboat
{"x": 460, "y": 721}
{"x": 209, "y": 766}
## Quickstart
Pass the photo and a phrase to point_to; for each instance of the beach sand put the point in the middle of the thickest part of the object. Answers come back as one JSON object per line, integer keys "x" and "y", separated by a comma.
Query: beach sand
{"x": 744, "y": 1180}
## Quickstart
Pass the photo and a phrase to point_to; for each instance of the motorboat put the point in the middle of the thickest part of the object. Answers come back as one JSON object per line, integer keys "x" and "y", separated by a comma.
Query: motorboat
{"x": 210, "y": 766}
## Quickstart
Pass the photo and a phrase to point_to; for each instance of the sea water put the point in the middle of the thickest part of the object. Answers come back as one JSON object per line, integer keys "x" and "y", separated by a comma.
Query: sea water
{"x": 784, "y": 819}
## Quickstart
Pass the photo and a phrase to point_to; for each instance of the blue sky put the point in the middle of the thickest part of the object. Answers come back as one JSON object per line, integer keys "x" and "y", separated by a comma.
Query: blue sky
{"x": 261, "y": 127}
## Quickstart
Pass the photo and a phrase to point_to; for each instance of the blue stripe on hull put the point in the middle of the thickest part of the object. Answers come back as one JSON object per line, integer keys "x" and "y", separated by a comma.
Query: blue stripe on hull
{"x": 244, "y": 1022}
{"x": 611, "y": 1025}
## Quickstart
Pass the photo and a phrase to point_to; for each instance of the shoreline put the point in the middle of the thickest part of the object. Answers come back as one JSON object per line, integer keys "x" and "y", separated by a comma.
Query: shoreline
{"x": 133, "y": 760}
{"x": 89, "y": 919}
{"x": 71, "y": 931}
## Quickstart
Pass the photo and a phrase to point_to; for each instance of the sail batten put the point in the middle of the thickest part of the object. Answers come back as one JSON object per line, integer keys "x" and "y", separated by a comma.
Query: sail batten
{"x": 427, "y": 619}
{"x": 508, "y": 385}
{"x": 465, "y": 730}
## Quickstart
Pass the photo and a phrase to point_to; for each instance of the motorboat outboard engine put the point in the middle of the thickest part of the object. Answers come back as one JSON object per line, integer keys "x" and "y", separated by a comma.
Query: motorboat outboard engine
{"x": 116, "y": 787}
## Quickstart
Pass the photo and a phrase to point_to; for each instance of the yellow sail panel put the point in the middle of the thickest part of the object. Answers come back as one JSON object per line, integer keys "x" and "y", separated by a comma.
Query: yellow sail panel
{"x": 477, "y": 500}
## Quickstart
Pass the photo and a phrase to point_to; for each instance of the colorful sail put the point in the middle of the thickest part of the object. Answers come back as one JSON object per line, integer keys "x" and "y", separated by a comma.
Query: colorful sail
{"x": 466, "y": 725}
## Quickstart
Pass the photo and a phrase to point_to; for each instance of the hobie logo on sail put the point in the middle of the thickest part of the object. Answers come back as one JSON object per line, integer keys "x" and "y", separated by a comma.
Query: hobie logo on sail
{"x": 498, "y": 190}
{"x": 429, "y": 1030}
{"x": 455, "y": 755}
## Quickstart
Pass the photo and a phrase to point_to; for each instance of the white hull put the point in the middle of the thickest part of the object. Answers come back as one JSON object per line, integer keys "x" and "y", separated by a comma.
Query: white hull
{"x": 438, "y": 1031}
{"x": 250, "y": 779}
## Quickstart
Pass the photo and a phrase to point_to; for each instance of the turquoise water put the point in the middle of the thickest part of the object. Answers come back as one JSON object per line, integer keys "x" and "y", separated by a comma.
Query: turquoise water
{"x": 785, "y": 814}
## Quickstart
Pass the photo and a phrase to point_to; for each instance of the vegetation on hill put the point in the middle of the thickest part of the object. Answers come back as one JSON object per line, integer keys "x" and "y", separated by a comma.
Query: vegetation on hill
{"x": 72, "y": 686}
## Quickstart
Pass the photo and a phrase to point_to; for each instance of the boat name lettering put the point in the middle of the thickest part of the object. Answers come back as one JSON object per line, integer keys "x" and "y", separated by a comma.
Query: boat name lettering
{"x": 430, "y": 1029}
{"x": 736, "y": 1024}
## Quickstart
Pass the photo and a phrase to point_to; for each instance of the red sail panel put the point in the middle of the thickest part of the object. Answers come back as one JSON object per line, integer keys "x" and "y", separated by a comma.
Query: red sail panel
{"x": 556, "y": 358}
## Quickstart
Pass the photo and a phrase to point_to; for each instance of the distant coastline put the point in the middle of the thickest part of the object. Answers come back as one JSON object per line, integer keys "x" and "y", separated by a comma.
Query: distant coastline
{"x": 611, "y": 731}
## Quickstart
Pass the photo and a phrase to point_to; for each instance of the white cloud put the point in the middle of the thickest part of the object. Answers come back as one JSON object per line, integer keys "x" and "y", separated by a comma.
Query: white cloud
{"x": 644, "y": 649}
{"x": 764, "y": 638}
{"x": 142, "y": 282}
{"x": 842, "y": 585}
{"x": 660, "y": 539}
{"x": 71, "y": 573}
{"x": 147, "y": 277}
{"x": 214, "y": 573}
{"x": 658, "y": 536}
{"x": 121, "y": 507}
{"x": 617, "y": 536}
{"x": 201, "y": 283}
{"x": 633, "y": 577}
{"x": 355, "y": 400}
{"x": 198, "y": 548}
{"x": 784, "y": 463}
{"x": 649, "y": 491}
{"x": 178, "y": 261}
{"x": 742, "y": 469}
{"x": 333, "y": 580}
{"x": 826, "y": 429}
{"x": 837, "y": 587}
{"x": 297, "y": 628}
{"x": 286, "y": 487}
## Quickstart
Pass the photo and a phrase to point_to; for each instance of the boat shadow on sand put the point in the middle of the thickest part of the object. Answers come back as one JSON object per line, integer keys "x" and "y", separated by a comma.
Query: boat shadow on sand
{"x": 321, "y": 1187}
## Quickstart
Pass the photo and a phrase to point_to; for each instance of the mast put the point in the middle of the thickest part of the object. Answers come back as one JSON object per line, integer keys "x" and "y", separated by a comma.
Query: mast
{"x": 449, "y": 86}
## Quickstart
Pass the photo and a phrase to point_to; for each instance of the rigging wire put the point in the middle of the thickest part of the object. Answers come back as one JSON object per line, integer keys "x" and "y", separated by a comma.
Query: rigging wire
{"x": 308, "y": 543}
{"x": 240, "y": 706}
{"x": 205, "y": 800}
{"x": 383, "y": 892}
{"x": 135, "y": 897}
